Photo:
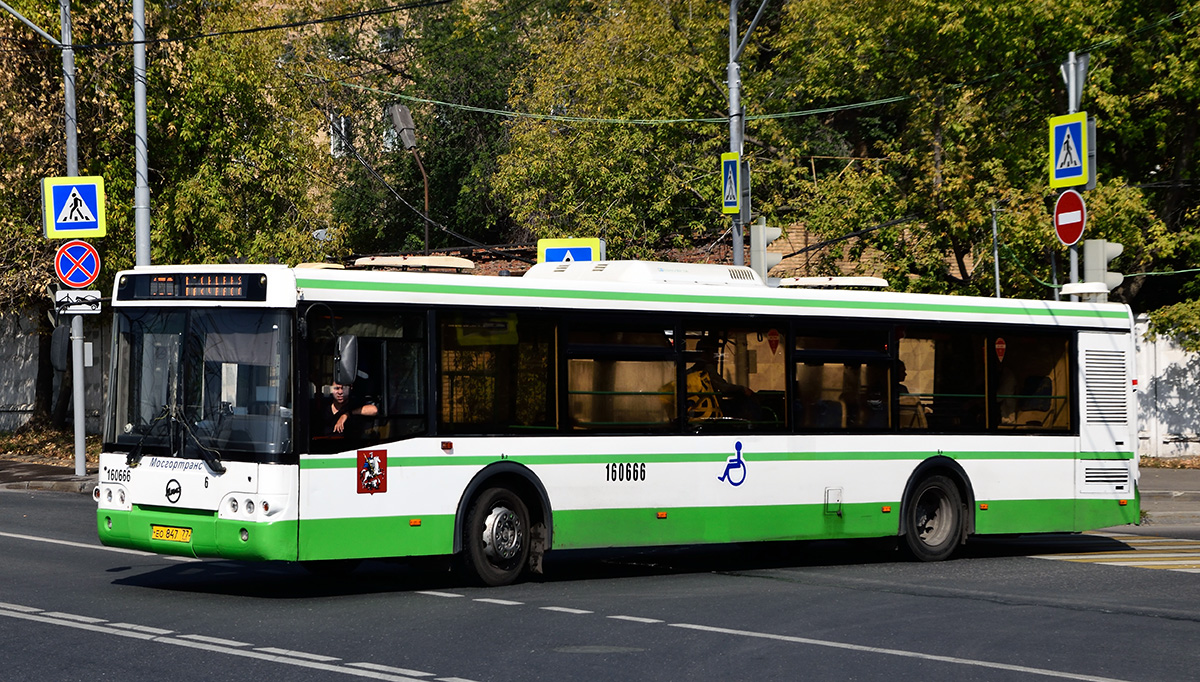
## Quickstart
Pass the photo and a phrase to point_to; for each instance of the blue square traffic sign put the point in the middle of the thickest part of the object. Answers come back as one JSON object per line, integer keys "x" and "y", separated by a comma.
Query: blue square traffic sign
{"x": 1068, "y": 150}
{"x": 73, "y": 207}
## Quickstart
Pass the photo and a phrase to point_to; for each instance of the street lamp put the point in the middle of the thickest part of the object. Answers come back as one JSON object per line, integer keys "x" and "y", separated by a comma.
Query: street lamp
{"x": 403, "y": 123}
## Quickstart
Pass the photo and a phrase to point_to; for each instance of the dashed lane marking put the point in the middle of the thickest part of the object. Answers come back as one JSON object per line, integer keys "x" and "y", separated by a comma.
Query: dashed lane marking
{"x": 215, "y": 645}
{"x": 390, "y": 669}
{"x": 635, "y": 619}
{"x": 215, "y": 640}
{"x": 563, "y": 609}
{"x": 297, "y": 654}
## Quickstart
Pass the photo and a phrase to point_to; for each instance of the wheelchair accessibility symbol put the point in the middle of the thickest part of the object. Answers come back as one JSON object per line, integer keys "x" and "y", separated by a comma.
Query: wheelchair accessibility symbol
{"x": 735, "y": 468}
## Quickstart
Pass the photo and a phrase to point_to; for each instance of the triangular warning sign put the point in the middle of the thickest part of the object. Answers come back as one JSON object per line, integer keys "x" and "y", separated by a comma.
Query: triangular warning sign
{"x": 1068, "y": 154}
{"x": 75, "y": 210}
{"x": 731, "y": 190}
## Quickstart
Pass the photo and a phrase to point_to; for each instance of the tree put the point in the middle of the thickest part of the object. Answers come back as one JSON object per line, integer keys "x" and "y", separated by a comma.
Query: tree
{"x": 642, "y": 187}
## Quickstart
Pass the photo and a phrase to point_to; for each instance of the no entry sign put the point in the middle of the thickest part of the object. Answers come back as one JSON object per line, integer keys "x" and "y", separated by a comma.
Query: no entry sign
{"x": 77, "y": 263}
{"x": 1070, "y": 216}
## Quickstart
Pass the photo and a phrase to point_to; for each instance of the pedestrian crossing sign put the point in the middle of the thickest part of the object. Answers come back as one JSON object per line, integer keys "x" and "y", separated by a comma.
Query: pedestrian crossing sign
{"x": 1069, "y": 150}
{"x": 731, "y": 182}
{"x": 570, "y": 250}
{"x": 73, "y": 207}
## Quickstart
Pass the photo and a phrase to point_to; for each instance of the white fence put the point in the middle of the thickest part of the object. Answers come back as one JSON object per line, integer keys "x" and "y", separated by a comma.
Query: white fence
{"x": 1168, "y": 399}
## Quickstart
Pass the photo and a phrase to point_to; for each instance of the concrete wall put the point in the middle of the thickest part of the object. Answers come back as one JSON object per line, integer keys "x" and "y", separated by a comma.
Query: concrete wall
{"x": 1168, "y": 399}
{"x": 18, "y": 368}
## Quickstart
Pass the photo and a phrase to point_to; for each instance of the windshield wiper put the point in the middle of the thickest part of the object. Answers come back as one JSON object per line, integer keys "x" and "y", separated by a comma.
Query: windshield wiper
{"x": 211, "y": 456}
{"x": 135, "y": 455}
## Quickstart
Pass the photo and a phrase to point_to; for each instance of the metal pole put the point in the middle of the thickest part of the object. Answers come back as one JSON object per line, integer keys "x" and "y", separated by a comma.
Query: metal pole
{"x": 77, "y": 394}
{"x": 141, "y": 192}
{"x": 1072, "y": 107}
{"x": 1054, "y": 273}
{"x": 995, "y": 250}
{"x": 68, "y": 59}
{"x": 68, "y": 62}
{"x": 735, "y": 120}
{"x": 417, "y": 156}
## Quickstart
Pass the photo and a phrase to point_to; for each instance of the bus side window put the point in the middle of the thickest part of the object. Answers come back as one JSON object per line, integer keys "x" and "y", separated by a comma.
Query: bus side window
{"x": 941, "y": 382}
{"x": 1032, "y": 386}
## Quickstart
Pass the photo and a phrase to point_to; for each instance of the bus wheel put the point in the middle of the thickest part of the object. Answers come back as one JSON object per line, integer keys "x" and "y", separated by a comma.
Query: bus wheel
{"x": 497, "y": 536}
{"x": 933, "y": 519}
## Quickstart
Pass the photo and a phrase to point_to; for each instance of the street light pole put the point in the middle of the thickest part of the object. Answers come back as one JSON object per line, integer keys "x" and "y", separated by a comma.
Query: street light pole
{"x": 402, "y": 122}
{"x": 737, "y": 117}
{"x": 141, "y": 192}
{"x": 734, "y": 80}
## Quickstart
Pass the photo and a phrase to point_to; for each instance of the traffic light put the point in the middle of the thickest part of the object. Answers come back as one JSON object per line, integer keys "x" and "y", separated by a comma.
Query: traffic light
{"x": 760, "y": 236}
{"x": 1096, "y": 255}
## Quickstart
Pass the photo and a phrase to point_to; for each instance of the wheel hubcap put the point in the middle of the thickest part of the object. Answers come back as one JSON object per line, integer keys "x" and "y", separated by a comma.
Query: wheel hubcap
{"x": 933, "y": 513}
{"x": 502, "y": 534}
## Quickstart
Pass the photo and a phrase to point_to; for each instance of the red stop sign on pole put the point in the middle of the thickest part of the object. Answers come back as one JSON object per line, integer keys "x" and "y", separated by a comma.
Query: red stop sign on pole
{"x": 1070, "y": 215}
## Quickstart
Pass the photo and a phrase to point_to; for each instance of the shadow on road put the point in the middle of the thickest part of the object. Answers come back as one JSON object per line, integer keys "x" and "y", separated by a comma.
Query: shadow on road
{"x": 282, "y": 580}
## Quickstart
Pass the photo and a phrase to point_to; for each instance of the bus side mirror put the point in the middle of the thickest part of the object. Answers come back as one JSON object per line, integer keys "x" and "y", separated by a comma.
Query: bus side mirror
{"x": 345, "y": 364}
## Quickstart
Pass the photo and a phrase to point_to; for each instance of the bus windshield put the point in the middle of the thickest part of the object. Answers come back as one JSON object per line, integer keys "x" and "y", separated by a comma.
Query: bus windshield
{"x": 206, "y": 383}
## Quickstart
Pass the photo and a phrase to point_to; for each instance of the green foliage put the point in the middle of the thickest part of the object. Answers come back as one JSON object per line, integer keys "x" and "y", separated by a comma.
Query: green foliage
{"x": 639, "y": 187}
{"x": 239, "y": 127}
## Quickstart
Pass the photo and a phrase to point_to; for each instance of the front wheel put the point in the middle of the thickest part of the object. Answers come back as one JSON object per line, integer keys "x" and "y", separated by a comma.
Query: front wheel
{"x": 933, "y": 519}
{"x": 497, "y": 536}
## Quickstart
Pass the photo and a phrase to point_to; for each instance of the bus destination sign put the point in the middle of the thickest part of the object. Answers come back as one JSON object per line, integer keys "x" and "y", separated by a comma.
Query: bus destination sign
{"x": 194, "y": 286}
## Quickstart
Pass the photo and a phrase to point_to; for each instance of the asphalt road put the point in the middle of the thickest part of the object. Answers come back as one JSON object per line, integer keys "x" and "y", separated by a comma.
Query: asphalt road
{"x": 1005, "y": 610}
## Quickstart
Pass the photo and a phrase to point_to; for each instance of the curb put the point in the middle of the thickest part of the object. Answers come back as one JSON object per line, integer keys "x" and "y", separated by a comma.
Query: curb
{"x": 83, "y": 485}
{"x": 1180, "y": 495}
{"x": 1179, "y": 518}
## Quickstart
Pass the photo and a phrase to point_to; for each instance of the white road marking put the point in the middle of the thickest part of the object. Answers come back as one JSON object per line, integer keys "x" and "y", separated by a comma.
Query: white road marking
{"x": 899, "y": 652}
{"x": 84, "y": 545}
{"x": 431, "y": 593}
{"x": 563, "y": 609}
{"x": 636, "y": 619}
{"x": 142, "y": 628}
{"x": 454, "y": 679}
{"x": 215, "y": 640}
{"x": 297, "y": 654}
{"x": 71, "y": 616}
{"x": 501, "y": 602}
{"x": 211, "y": 644}
{"x": 390, "y": 669}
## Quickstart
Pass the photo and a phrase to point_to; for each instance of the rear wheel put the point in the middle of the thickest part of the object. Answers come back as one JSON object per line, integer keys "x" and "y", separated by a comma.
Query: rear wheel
{"x": 497, "y": 536}
{"x": 933, "y": 519}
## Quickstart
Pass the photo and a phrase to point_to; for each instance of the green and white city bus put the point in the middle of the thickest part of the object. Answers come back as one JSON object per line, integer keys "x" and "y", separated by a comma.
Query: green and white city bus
{"x": 598, "y": 404}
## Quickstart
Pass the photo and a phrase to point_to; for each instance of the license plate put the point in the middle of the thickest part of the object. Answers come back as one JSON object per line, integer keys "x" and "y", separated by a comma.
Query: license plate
{"x": 170, "y": 533}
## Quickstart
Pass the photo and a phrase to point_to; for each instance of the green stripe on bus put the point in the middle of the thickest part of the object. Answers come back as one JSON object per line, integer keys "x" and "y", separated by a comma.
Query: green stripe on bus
{"x": 579, "y": 529}
{"x": 210, "y": 536}
{"x": 1049, "y": 516}
{"x": 909, "y": 306}
{"x": 382, "y": 536}
{"x": 684, "y": 458}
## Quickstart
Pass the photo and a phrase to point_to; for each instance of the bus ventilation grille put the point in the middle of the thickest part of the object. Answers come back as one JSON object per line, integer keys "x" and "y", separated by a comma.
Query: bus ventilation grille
{"x": 1114, "y": 477}
{"x": 746, "y": 274}
{"x": 1106, "y": 377}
